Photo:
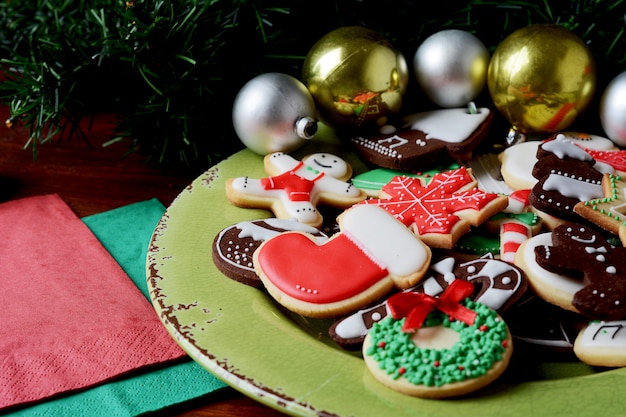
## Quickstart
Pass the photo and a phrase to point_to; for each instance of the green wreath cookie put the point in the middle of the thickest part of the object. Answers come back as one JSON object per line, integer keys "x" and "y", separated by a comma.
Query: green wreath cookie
{"x": 438, "y": 347}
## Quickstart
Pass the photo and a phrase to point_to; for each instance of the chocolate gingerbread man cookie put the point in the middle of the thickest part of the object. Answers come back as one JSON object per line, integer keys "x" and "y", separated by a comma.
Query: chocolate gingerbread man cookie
{"x": 583, "y": 253}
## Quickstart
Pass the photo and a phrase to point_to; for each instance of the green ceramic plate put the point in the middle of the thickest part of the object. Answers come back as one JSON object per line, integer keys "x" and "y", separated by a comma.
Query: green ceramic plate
{"x": 239, "y": 334}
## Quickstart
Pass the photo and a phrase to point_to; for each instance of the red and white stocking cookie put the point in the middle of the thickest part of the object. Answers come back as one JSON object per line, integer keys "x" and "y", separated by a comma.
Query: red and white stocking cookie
{"x": 295, "y": 188}
{"x": 371, "y": 255}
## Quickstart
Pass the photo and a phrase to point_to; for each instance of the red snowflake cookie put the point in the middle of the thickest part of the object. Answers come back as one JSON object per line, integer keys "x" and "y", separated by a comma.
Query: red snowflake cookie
{"x": 444, "y": 209}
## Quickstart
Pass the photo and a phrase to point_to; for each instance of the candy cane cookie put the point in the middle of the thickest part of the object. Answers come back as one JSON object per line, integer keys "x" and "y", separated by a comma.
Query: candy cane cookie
{"x": 497, "y": 284}
{"x": 438, "y": 347}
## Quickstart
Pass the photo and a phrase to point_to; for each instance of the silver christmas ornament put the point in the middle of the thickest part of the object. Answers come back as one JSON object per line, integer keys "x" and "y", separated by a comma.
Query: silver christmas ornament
{"x": 274, "y": 112}
{"x": 613, "y": 110}
{"x": 451, "y": 67}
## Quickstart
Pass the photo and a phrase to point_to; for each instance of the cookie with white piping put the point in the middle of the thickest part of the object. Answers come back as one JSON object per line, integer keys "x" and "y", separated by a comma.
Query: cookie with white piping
{"x": 438, "y": 347}
{"x": 426, "y": 139}
{"x": 497, "y": 284}
{"x": 234, "y": 246}
{"x": 442, "y": 210}
{"x": 566, "y": 175}
{"x": 602, "y": 343}
{"x": 584, "y": 254}
{"x": 372, "y": 254}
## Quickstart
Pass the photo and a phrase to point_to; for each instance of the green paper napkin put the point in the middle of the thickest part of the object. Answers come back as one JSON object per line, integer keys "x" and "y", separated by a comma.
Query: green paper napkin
{"x": 126, "y": 233}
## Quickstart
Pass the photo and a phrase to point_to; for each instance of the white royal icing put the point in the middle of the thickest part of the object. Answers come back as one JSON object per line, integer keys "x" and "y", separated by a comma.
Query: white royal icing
{"x": 562, "y": 282}
{"x": 573, "y": 187}
{"x": 384, "y": 239}
{"x": 610, "y": 334}
{"x": 449, "y": 125}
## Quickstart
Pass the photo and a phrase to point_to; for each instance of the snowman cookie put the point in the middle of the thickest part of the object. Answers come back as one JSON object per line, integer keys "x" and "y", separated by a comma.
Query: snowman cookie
{"x": 371, "y": 255}
{"x": 294, "y": 188}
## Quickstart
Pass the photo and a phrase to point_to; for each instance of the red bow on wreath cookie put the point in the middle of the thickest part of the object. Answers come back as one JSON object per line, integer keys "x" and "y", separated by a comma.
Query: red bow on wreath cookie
{"x": 416, "y": 306}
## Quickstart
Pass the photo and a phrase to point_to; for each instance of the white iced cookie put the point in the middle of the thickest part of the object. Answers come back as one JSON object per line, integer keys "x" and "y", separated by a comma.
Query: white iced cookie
{"x": 602, "y": 343}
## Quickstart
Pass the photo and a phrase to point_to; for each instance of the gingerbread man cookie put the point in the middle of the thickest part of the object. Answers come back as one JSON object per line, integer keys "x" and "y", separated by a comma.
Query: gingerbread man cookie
{"x": 582, "y": 253}
{"x": 444, "y": 209}
{"x": 427, "y": 139}
{"x": 371, "y": 255}
{"x": 295, "y": 188}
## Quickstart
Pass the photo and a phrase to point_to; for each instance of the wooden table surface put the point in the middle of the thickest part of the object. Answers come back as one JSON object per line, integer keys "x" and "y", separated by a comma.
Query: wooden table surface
{"x": 93, "y": 180}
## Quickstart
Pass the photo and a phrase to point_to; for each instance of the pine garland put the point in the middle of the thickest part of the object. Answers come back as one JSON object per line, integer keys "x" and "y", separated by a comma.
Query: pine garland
{"x": 171, "y": 69}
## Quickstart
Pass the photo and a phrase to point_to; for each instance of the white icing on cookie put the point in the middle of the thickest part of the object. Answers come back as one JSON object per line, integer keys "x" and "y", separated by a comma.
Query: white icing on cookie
{"x": 517, "y": 164}
{"x": 562, "y": 282}
{"x": 571, "y": 187}
{"x": 588, "y": 141}
{"x": 449, "y": 125}
{"x": 610, "y": 334}
{"x": 387, "y": 241}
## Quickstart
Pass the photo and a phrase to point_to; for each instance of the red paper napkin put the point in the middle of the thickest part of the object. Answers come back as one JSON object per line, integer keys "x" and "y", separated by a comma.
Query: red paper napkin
{"x": 70, "y": 316}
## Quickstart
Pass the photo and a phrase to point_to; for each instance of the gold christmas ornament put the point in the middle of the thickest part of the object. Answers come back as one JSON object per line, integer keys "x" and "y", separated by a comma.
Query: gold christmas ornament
{"x": 356, "y": 77}
{"x": 541, "y": 78}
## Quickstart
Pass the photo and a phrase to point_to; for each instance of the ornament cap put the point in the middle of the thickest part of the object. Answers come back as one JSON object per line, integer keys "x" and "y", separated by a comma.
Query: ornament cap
{"x": 306, "y": 127}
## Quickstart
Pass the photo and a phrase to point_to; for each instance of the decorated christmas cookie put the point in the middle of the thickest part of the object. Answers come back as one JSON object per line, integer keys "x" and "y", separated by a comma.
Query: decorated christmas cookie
{"x": 441, "y": 211}
{"x": 517, "y": 164}
{"x": 608, "y": 212}
{"x": 438, "y": 347}
{"x": 234, "y": 246}
{"x": 371, "y": 255}
{"x": 582, "y": 253}
{"x": 427, "y": 139}
{"x": 566, "y": 175}
{"x": 602, "y": 343}
{"x": 497, "y": 284}
{"x": 295, "y": 188}
{"x": 557, "y": 289}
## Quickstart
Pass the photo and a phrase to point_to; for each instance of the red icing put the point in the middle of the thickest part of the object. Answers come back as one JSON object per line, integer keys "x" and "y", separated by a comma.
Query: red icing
{"x": 416, "y": 306}
{"x": 432, "y": 208}
{"x": 616, "y": 159}
{"x": 296, "y": 187}
{"x": 304, "y": 270}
